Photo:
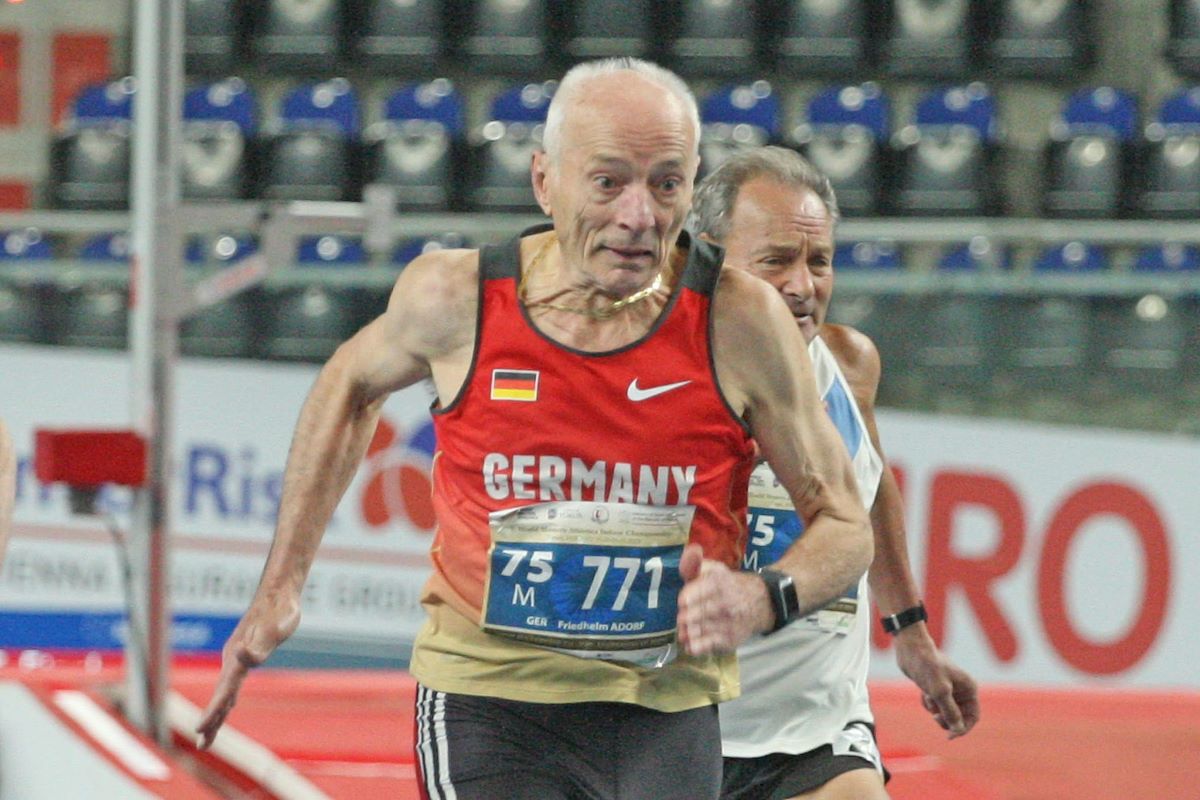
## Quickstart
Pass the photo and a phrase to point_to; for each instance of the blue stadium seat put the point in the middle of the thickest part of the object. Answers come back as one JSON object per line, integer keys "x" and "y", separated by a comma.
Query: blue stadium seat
{"x": 843, "y": 136}
{"x": 713, "y": 37}
{"x": 1167, "y": 184}
{"x": 106, "y": 247}
{"x": 506, "y": 37}
{"x": 1041, "y": 40}
{"x": 931, "y": 39}
{"x": 25, "y": 245}
{"x": 980, "y": 254}
{"x": 297, "y": 36}
{"x": 311, "y": 151}
{"x": 881, "y": 255}
{"x": 331, "y": 251}
{"x": 1072, "y": 257}
{"x": 1086, "y": 160}
{"x": 409, "y": 249}
{"x": 603, "y": 28}
{"x": 214, "y": 36}
{"x": 943, "y": 162}
{"x": 1183, "y": 43}
{"x": 734, "y": 118}
{"x": 218, "y": 128}
{"x": 503, "y": 147}
{"x": 307, "y": 323}
{"x": 417, "y": 146}
{"x": 92, "y": 315}
{"x": 406, "y": 36}
{"x": 89, "y": 162}
{"x": 1170, "y": 257}
{"x": 821, "y": 37}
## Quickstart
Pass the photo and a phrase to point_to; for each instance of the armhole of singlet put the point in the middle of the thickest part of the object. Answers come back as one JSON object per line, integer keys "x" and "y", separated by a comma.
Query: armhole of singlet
{"x": 493, "y": 263}
{"x": 702, "y": 276}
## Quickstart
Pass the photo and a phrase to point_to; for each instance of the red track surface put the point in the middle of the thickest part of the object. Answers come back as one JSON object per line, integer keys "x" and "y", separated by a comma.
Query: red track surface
{"x": 351, "y": 734}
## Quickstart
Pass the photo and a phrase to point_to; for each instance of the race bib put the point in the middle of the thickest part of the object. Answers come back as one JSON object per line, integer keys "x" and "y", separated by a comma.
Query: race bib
{"x": 774, "y": 526}
{"x": 595, "y": 580}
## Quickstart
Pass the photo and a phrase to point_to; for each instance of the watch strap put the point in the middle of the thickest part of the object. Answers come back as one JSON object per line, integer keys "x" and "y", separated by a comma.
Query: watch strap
{"x": 781, "y": 589}
{"x": 909, "y": 616}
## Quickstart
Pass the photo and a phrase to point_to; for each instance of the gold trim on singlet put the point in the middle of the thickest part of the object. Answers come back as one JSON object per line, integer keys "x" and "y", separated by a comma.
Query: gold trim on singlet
{"x": 452, "y": 654}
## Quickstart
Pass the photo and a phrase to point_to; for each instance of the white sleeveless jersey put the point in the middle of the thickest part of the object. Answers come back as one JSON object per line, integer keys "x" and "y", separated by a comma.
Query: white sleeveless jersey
{"x": 801, "y": 685}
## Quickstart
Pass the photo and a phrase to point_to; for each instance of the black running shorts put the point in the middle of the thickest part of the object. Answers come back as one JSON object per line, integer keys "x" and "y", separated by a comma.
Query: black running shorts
{"x": 484, "y": 748}
{"x": 778, "y": 776}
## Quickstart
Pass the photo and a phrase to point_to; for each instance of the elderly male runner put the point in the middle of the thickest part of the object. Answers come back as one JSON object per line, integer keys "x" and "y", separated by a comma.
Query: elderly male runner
{"x": 596, "y": 420}
{"x": 803, "y": 725}
{"x": 8, "y": 484}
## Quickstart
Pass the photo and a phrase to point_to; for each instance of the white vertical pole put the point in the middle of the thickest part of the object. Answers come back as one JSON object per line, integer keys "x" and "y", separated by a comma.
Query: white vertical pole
{"x": 157, "y": 249}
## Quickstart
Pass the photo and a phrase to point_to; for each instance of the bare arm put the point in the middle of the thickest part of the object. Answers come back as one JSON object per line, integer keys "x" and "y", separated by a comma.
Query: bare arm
{"x": 765, "y": 373}
{"x": 8, "y": 483}
{"x": 428, "y": 324}
{"x": 949, "y": 693}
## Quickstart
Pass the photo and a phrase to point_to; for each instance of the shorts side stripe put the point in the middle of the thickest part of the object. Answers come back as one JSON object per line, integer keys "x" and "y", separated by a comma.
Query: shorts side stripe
{"x": 432, "y": 745}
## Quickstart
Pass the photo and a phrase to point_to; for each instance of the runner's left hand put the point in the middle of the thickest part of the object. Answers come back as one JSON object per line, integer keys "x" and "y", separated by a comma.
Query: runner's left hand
{"x": 947, "y": 691}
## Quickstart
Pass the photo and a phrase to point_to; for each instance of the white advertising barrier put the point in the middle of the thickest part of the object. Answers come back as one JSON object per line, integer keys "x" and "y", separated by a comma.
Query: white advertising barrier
{"x": 1053, "y": 555}
{"x": 60, "y": 584}
{"x": 1047, "y": 555}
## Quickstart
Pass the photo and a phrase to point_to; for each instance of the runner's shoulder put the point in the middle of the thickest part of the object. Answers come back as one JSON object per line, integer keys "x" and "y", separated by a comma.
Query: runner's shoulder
{"x": 855, "y": 352}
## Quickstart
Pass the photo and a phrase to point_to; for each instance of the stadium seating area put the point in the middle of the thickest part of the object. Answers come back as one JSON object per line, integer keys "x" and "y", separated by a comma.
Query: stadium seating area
{"x": 907, "y": 105}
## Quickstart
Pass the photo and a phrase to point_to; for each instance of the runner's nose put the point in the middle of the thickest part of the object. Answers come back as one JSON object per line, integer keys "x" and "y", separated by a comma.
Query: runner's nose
{"x": 798, "y": 282}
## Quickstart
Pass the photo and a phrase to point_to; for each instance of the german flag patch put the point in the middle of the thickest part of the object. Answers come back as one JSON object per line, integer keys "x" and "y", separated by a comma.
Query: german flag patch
{"x": 515, "y": 384}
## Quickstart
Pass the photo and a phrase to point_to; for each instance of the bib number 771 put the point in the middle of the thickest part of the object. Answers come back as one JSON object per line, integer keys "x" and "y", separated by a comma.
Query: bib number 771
{"x": 633, "y": 567}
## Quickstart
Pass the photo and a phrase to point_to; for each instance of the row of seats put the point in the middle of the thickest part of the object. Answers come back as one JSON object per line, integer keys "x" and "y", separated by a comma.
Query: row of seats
{"x": 289, "y": 323}
{"x": 1041, "y": 357}
{"x": 30, "y": 246}
{"x": 966, "y": 344}
{"x": 1099, "y": 161}
{"x": 921, "y": 38}
{"x": 977, "y": 255}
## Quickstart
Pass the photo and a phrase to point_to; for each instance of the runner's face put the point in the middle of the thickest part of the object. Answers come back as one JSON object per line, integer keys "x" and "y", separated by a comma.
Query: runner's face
{"x": 622, "y": 183}
{"x": 784, "y": 235}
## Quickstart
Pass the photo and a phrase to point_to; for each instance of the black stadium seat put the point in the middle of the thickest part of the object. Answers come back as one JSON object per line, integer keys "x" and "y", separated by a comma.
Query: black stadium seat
{"x": 602, "y": 28}
{"x": 214, "y": 36}
{"x": 297, "y": 36}
{"x": 506, "y": 37}
{"x": 1041, "y": 41}
{"x": 821, "y": 37}
{"x": 931, "y": 39}
{"x": 714, "y": 37}
{"x": 403, "y": 36}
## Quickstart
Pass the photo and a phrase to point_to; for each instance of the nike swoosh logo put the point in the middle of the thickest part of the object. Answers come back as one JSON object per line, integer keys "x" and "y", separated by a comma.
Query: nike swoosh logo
{"x": 637, "y": 394}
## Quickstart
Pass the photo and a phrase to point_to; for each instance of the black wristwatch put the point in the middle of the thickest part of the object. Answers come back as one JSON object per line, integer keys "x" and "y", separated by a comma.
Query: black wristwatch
{"x": 782, "y": 591}
{"x": 909, "y": 616}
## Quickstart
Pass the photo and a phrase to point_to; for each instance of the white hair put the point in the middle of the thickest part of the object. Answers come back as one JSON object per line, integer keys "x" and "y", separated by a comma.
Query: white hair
{"x": 580, "y": 74}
